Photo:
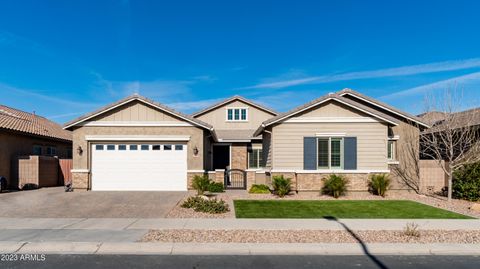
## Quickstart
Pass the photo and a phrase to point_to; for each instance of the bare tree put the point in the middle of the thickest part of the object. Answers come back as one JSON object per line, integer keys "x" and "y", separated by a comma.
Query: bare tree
{"x": 454, "y": 138}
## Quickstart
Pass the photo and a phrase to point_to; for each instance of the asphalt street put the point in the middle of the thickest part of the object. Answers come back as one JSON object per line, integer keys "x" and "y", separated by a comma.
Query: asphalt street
{"x": 251, "y": 262}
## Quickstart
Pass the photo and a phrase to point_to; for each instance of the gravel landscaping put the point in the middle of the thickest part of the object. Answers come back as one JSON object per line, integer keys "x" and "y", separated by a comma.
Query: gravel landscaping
{"x": 308, "y": 236}
{"x": 459, "y": 206}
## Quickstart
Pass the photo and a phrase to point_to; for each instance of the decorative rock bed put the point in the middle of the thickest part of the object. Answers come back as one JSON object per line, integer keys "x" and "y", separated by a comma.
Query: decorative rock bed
{"x": 308, "y": 236}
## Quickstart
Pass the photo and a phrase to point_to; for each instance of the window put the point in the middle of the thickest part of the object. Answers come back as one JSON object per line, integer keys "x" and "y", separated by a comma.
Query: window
{"x": 237, "y": 114}
{"x": 255, "y": 158}
{"x": 391, "y": 147}
{"x": 37, "y": 150}
{"x": 144, "y": 147}
{"x": 69, "y": 153}
{"x": 330, "y": 153}
{"x": 122, "y": 147}
{"x": 178, "y": 147}
{"x": 133, "y": 147}
{"x": 156, "y": 147}
{"x": 110, "y": 147}
{"x": 99, "y": 147}
{"x": 167, "y": 147}
{"x": 51, "y": 151}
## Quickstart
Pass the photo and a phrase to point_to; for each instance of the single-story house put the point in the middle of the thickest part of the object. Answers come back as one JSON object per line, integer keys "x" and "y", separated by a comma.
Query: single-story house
{"x": 23, "y": 133}
{"x": 139, "y": 144}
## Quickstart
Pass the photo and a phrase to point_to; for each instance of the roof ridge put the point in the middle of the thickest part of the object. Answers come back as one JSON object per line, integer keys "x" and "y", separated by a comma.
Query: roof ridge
{"x": 230, "y": 99}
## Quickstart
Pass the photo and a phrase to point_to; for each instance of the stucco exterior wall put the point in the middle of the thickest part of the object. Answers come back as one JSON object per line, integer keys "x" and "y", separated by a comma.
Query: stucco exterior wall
{"x": 17, "y": 144}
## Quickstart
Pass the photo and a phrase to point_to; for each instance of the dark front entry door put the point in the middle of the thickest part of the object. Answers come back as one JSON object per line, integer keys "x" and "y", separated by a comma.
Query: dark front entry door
{"x": 221, "y": 156}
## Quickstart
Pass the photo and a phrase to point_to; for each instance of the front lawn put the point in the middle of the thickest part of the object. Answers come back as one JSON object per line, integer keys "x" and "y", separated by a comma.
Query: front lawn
{"x": 346, "y": 209}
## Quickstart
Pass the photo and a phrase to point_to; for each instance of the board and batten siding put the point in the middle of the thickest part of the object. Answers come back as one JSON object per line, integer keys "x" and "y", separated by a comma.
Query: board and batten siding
{"x": 287, "y": 143}
{"x": 218, "y": 117}
{"x": 136, "y": 111}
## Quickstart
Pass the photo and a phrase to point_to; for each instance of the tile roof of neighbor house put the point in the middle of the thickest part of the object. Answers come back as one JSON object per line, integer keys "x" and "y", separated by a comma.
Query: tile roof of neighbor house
{"x": 142, "y": 99}
{"x": 21, "y": 121}
{"x": 383, "y": 105}
{"x": 336, "y": 97}
{"x": 223, "y": 135}
{"x": 231, "y": 99}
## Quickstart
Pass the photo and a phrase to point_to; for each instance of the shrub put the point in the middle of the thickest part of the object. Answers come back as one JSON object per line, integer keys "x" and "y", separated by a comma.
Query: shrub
{"x": 216, "y": 187}
{"x": 466, "y": 182}
{"x": 259, "y": 188}
{"x": 281, "y": 185}
{"x": 379, "y": 184}
{"x": 335, "y": 185}
{"x": 411, "y": 229}
{"x": 212, "y": 206}
{"x": 201, "y": 184}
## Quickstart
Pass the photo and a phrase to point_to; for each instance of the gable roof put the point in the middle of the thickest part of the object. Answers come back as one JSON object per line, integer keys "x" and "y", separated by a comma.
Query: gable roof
{"x": 461, "y": 119}
{"x": 142, "y": 99}
{"x": 21, "y": 121}
{"x": 326, "y": 98}
{"x": 231, "y": 99}
{"x": 384, "y": 106}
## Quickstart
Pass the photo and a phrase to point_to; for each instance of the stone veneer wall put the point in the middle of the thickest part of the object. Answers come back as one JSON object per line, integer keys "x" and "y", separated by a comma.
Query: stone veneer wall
{"x": 239, "y": 156}
{"x": 80, "y": 180}
{"x": 313, "y": 181}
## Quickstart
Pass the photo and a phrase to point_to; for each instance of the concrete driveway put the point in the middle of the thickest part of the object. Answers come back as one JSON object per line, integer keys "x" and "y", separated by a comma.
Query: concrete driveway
{"x": 55, "y": 203}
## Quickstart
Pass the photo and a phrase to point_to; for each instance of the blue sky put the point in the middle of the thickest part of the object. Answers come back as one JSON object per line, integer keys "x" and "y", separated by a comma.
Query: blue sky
{"x": 65, "y": 58}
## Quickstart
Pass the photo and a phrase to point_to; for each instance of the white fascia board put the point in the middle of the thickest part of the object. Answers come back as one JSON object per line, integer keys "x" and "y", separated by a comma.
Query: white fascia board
{"x": 330, "y": 120}
{"x": 386, "y": 108}
{"x": 335, "y": 99}
{"x": 137, "y": 137}
{"x": 233, "y": 140}
{"x": 128, "y": 101}
{"x": 136, "y": 123}
{"x": 195, "y": 171}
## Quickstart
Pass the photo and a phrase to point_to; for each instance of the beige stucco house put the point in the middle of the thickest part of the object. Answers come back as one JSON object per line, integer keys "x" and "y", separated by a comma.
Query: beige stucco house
{"x": 138, "y": 144}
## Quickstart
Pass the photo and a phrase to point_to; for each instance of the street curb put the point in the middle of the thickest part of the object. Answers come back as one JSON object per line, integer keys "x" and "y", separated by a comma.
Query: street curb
{"x": 99, "y": 248}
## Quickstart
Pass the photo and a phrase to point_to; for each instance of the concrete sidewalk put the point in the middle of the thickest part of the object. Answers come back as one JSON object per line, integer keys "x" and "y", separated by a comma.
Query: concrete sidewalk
{"x": 236, "y": 249}
{"x": 121, "y": 224}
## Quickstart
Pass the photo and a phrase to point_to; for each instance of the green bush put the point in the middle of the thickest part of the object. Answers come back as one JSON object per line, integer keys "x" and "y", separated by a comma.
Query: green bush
{"x": 466, "y": 182}
{"x": 212, "y": 206}
{"x": 200, "y": 184}
{"x": 281, "y": 185}
{"x": 335, "y": 185}
{"x": 259, "y": 188}
{"x": 216, "y": 187}
{"x": 379, "y": 184}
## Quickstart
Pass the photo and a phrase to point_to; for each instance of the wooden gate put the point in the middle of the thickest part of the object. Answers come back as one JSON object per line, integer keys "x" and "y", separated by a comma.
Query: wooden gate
{"x": 65, "y": 173}
{"x": 235, "y": 179}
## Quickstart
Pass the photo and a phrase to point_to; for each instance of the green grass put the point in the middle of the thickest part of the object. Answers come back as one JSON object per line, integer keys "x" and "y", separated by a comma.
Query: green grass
{"x": 351, "y": 209}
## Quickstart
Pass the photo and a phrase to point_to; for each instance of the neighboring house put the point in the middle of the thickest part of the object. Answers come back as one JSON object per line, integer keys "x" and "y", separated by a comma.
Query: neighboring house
{"x": 138, "y": 144}
{"x": 23, "y": 133}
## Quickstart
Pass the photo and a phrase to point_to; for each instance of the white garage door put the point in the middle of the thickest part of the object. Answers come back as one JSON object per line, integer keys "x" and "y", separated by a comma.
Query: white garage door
{"x": 139, "y": 167}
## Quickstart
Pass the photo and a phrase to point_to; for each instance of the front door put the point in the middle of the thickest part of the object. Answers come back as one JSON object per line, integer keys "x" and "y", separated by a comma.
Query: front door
{"x": 221, "y": 156}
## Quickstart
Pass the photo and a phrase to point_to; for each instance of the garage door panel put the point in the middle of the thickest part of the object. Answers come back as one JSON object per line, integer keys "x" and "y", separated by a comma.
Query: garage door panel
{"x": 139, "y": 169}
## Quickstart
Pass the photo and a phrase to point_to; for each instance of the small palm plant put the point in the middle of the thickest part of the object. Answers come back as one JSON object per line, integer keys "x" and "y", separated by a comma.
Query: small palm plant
{"x": 335, "y": 185}
{"x": 281, "y": 185}
{"x": 201, "y": 184}
{"x": 379, "y": 184}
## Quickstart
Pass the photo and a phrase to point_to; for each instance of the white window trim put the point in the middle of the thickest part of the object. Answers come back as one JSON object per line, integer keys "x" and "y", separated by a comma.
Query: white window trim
{"x": 329, "y": 171}
{"x": 233, "y": 114}
{"x": 393, "y": 160}
{"x": 258, "y": 147}
{"x": 342, "y": 141}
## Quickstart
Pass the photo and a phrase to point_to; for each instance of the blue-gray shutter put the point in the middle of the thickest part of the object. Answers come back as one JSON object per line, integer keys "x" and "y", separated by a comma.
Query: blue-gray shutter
{"x": 310, "y": 153}
{"x": 350, "y": 153}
